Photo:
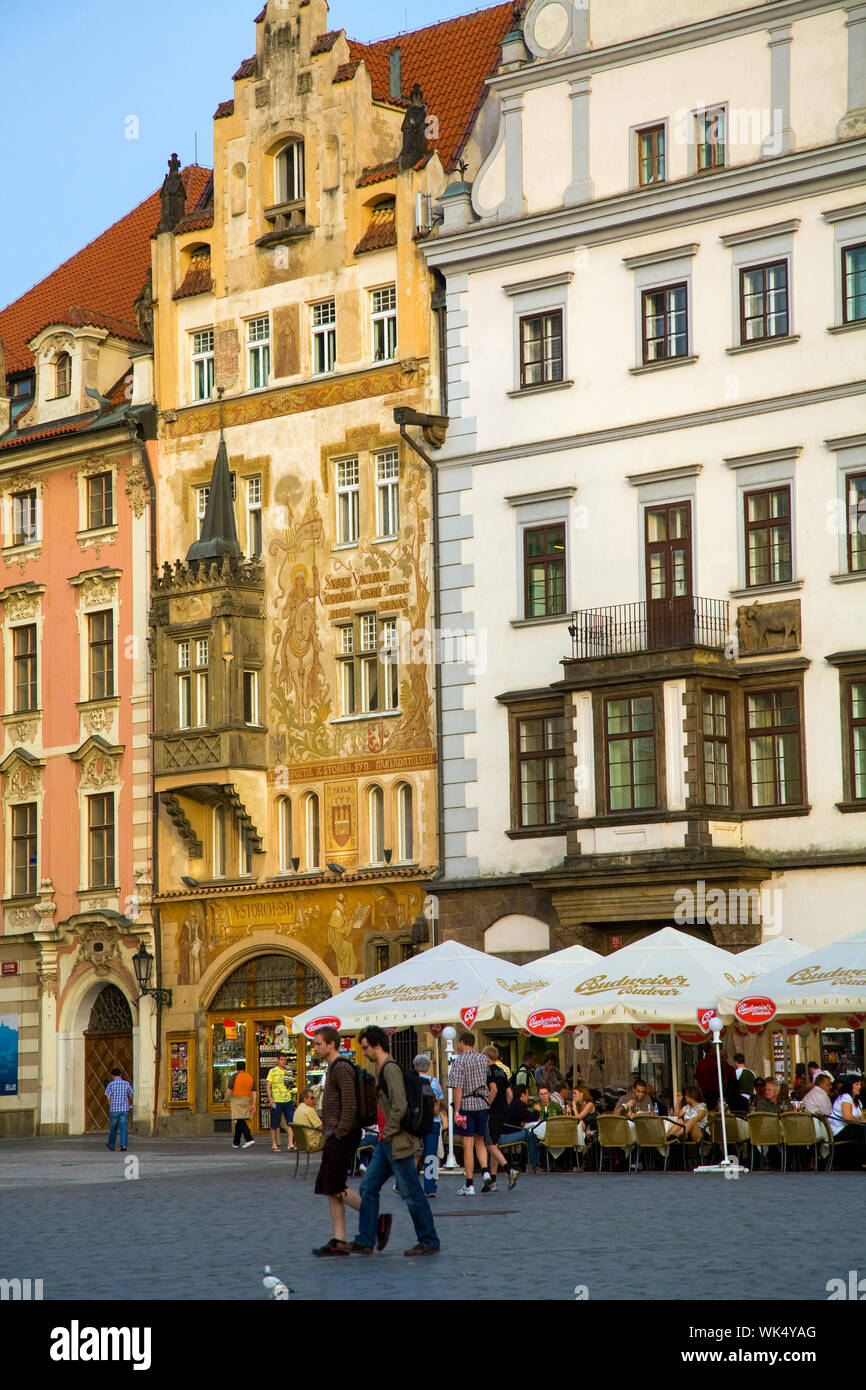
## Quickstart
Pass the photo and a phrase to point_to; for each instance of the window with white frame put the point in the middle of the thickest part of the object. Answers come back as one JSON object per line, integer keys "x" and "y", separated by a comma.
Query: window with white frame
{"x": 192, "y": 683}
{"x": 376, "y": 824}
{"x": 369, "y": 662}
{"x": 324, "y": 337}
{"x": 25, "y": 517}
{"x": 203, "y": 364}
{"x": 348, "y": 501}
{"x": 405, "y": 823}
{"x": 384, "y": 323}
{"x": 258, "y": 352}
{"x": 346, "y": 656}
{"x": 254, "y": 516}
{"x": 387, "y": 494}
{"x": 390, "y": 668}
{"x": 251, "y": 697}
{"x": 201, "y": 496}
{"x": 290, "y": 173}
{"x": 62, "y": 375}
{"x": 311, "y": 826}
{"x": 284, "y": 827}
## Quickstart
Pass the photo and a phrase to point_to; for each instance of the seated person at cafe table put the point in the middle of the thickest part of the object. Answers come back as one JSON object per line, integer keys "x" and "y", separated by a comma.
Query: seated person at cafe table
{"x": 307, "y": 1117}
{"x": 689, "y": 1119}
{"x": 520, "y": 1115}
{"x": 638, "y": 1101}
{"x": 768, "y": 1104}
{"x": 846, "y": 1118}
{"x": 583, "y": 1109}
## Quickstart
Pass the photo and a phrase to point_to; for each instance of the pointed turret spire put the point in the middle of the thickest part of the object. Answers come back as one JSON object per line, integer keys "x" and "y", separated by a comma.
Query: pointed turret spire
{"x": 219, "y": 534}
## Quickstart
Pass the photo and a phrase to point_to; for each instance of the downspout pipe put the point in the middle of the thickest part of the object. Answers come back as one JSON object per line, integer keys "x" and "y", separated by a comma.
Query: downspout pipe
{"x": 404, "y": 416}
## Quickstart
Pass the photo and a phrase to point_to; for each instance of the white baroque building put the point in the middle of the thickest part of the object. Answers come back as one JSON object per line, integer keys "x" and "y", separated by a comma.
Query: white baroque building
{"x": 652, "y": 499}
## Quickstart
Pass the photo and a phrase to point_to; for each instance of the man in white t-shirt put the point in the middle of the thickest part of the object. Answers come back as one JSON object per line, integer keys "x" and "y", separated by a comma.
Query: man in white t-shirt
{"x": 817, "y": 1100}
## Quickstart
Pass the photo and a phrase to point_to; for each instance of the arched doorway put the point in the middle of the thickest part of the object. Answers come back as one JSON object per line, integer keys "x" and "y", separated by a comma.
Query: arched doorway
{"x": 107, "y": 1044}
{"x": 247, "y": 1022}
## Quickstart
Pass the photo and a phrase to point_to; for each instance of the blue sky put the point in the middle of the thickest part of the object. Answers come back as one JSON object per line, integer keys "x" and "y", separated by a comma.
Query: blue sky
{"x": 69, "y": 82}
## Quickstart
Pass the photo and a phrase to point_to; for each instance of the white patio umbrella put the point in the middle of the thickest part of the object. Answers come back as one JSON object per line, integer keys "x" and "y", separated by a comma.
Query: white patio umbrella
{"x": 559, "y": 962}
{"x": 449, "y": 984}
{"x": 779, "y": 950}
{"x": 663, "y": 979}
{"x": 829, "y": 981}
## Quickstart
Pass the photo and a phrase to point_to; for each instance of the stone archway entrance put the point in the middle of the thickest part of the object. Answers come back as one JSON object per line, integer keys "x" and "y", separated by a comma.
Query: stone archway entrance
{"x": 107, "y": 1044}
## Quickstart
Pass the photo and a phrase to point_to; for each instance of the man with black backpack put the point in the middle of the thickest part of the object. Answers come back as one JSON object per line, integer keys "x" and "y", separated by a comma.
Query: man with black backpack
{"x": 406, "y": 1108}
{"x": 342, "y": 1122}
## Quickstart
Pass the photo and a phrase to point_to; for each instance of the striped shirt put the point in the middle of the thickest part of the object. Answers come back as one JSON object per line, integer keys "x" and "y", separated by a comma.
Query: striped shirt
{"x": 469, "y": 1072}
{"x": 119, "y": 1094}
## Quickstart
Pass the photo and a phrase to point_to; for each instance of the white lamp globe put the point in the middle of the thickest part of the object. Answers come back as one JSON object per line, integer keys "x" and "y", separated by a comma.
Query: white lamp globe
{"x": 449, "y": 1033}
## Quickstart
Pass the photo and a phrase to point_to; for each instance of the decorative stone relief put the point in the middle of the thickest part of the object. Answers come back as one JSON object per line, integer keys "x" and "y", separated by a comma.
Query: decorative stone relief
{"x": 22, "y": 557}
{"x": 23, "y": 782}
{"x": 21, "y": 606}
{"x": 98, "y": 944}
{"x": 25, "y": 730}
{"x": 97, "y": 590}
{"x": 46, "y": 907}
{"x": 769, "y": 627}
{"x": 96, "y": 542}
{"x": 137, "y": 489}
{"x": 21, "y": 919}
{"x": 99, "y": 770}
{"x": 58, "y": 342}
{"x": 96, "y": 463}
{"x": 96, "y": 720}
{"x": 47, "y": 978}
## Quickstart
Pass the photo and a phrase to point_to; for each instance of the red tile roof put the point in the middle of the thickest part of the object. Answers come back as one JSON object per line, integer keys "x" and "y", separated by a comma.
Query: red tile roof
{"x": 325, "y": 42}
{"x": 198, "y": 279}
{"x": 225, "y": 108}
{"x": 97, "y": 285}
{"x": 381, "y": 232}
{"x": 246, "y": 69}
{"x": 378, "y": 173}
{"x": 450, "y": 61}
{"x": 346, "y": 71}
{"x": 196, "y": 222}
{"x": 34, "y": 436}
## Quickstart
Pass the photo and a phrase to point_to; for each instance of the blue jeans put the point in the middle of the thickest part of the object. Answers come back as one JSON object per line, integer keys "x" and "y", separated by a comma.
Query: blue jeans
{"x": 382, "y": 1165}
{"x": 533, "y": 1149}
{"x": 118, "y": 1118}
{"x": 430, "y": 1169}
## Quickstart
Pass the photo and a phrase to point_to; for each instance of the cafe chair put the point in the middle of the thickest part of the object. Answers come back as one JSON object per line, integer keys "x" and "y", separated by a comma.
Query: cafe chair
{"x": 833, "y": 1145}
{"x": 736, "y": 1134}
{"x": 765, "y": 1132}
{"x": 613, "y": 1133}
{"x": 512, "y": 1141}
{"x": 652, "y": 1135}
{"x": 307, "y": 1141}
{"x": 560, "y": 1133}
{"x": 798, "y": 1133}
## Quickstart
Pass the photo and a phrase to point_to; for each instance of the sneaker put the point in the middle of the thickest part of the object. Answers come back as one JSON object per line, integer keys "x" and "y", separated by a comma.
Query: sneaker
{"x": 334, "y": 1247}
{"x": 467, "y": 1190}
{"x": 383, "y": 1234}
{"x": 513, "y": 1175}
{"x": 422, "y": 1250}
{"x": 357, "y": 1249}
{"x": 123, "y": 1150}
{"x": 247, "y": 1143}
{"x": 362, "y": 1167}
{"x": 488, "y": 1184}
{"x": 110, "y": 1147}
{"x": 235, "y": 1146}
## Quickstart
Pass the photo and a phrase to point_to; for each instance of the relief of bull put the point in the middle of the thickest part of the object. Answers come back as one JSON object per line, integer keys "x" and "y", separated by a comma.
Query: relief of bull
{"x": 769, "y": 626}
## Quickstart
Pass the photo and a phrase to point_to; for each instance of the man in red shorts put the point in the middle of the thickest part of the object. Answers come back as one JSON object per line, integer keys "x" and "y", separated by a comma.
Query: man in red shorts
{"x": 341, "y": 1128}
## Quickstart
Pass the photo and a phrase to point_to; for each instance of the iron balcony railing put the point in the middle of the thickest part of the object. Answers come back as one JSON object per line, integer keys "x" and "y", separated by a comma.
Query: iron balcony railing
{"x": 660, "y": 625}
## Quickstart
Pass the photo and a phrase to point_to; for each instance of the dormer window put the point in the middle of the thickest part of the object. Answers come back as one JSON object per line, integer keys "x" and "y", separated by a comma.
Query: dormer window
{"x": 62, "y": 375}
{"x": 290, "y": 173}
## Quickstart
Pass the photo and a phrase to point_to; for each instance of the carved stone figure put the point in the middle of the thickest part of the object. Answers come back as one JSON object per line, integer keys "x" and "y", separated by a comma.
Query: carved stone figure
{"x": 763, "y": 627}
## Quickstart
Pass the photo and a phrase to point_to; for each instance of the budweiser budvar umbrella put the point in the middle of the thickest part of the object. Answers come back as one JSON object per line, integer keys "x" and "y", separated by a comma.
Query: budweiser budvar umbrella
{"x": 829, "y": 981}
{"x": 667, "y": 978}
{"x": 449, "y": 984}
{"x": 560, "y": 962}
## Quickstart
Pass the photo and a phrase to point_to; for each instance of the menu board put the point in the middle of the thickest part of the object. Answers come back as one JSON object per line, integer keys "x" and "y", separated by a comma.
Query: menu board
{"x": 180, "y": 1071}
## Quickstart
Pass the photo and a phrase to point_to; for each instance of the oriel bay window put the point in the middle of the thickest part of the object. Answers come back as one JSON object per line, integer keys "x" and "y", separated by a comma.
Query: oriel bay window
{"x": 630, "y": 753}
{"x": 24, "y": 850}
{"x": 544, "y": 570}
{"x": 768, "y": 536}
{"x": 716, "y": 735}
{"x": 24, "y": 661}
{"x": 541, "y": 349}
{"x": 100, "y": 832}
{"x": 100, "y": 636}
{"x": 773, "y": 748}
{"x": 664, "y": 323}
{"x": 251, "y": 697}
{"x": 192, "y": 683}
{"x": 540, "y": 770}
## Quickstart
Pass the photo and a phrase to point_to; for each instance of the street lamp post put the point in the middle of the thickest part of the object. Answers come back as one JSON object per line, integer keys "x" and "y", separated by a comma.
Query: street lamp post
{"x": 730, "y": 1165}
{"x": 142, "y": 963}
{"x": 448, "y": 1036}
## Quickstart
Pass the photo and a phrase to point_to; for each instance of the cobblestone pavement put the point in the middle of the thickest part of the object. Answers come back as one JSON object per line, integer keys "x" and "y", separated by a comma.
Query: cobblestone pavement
{"x": 201, "y": 1221}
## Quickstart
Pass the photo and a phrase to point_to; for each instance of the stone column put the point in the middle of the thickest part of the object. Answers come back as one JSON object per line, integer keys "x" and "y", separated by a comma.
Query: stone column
{"x": 512, "y": 117}
{"x": 780, "y": 138}
{"x": 580, "y": 189}
{"x": 853, "y": 122}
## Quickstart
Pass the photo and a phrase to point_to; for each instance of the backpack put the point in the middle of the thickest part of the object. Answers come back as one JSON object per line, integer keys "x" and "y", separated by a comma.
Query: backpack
{"x": 365, "y": 1090}
{"x": 420, "y": 1100}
